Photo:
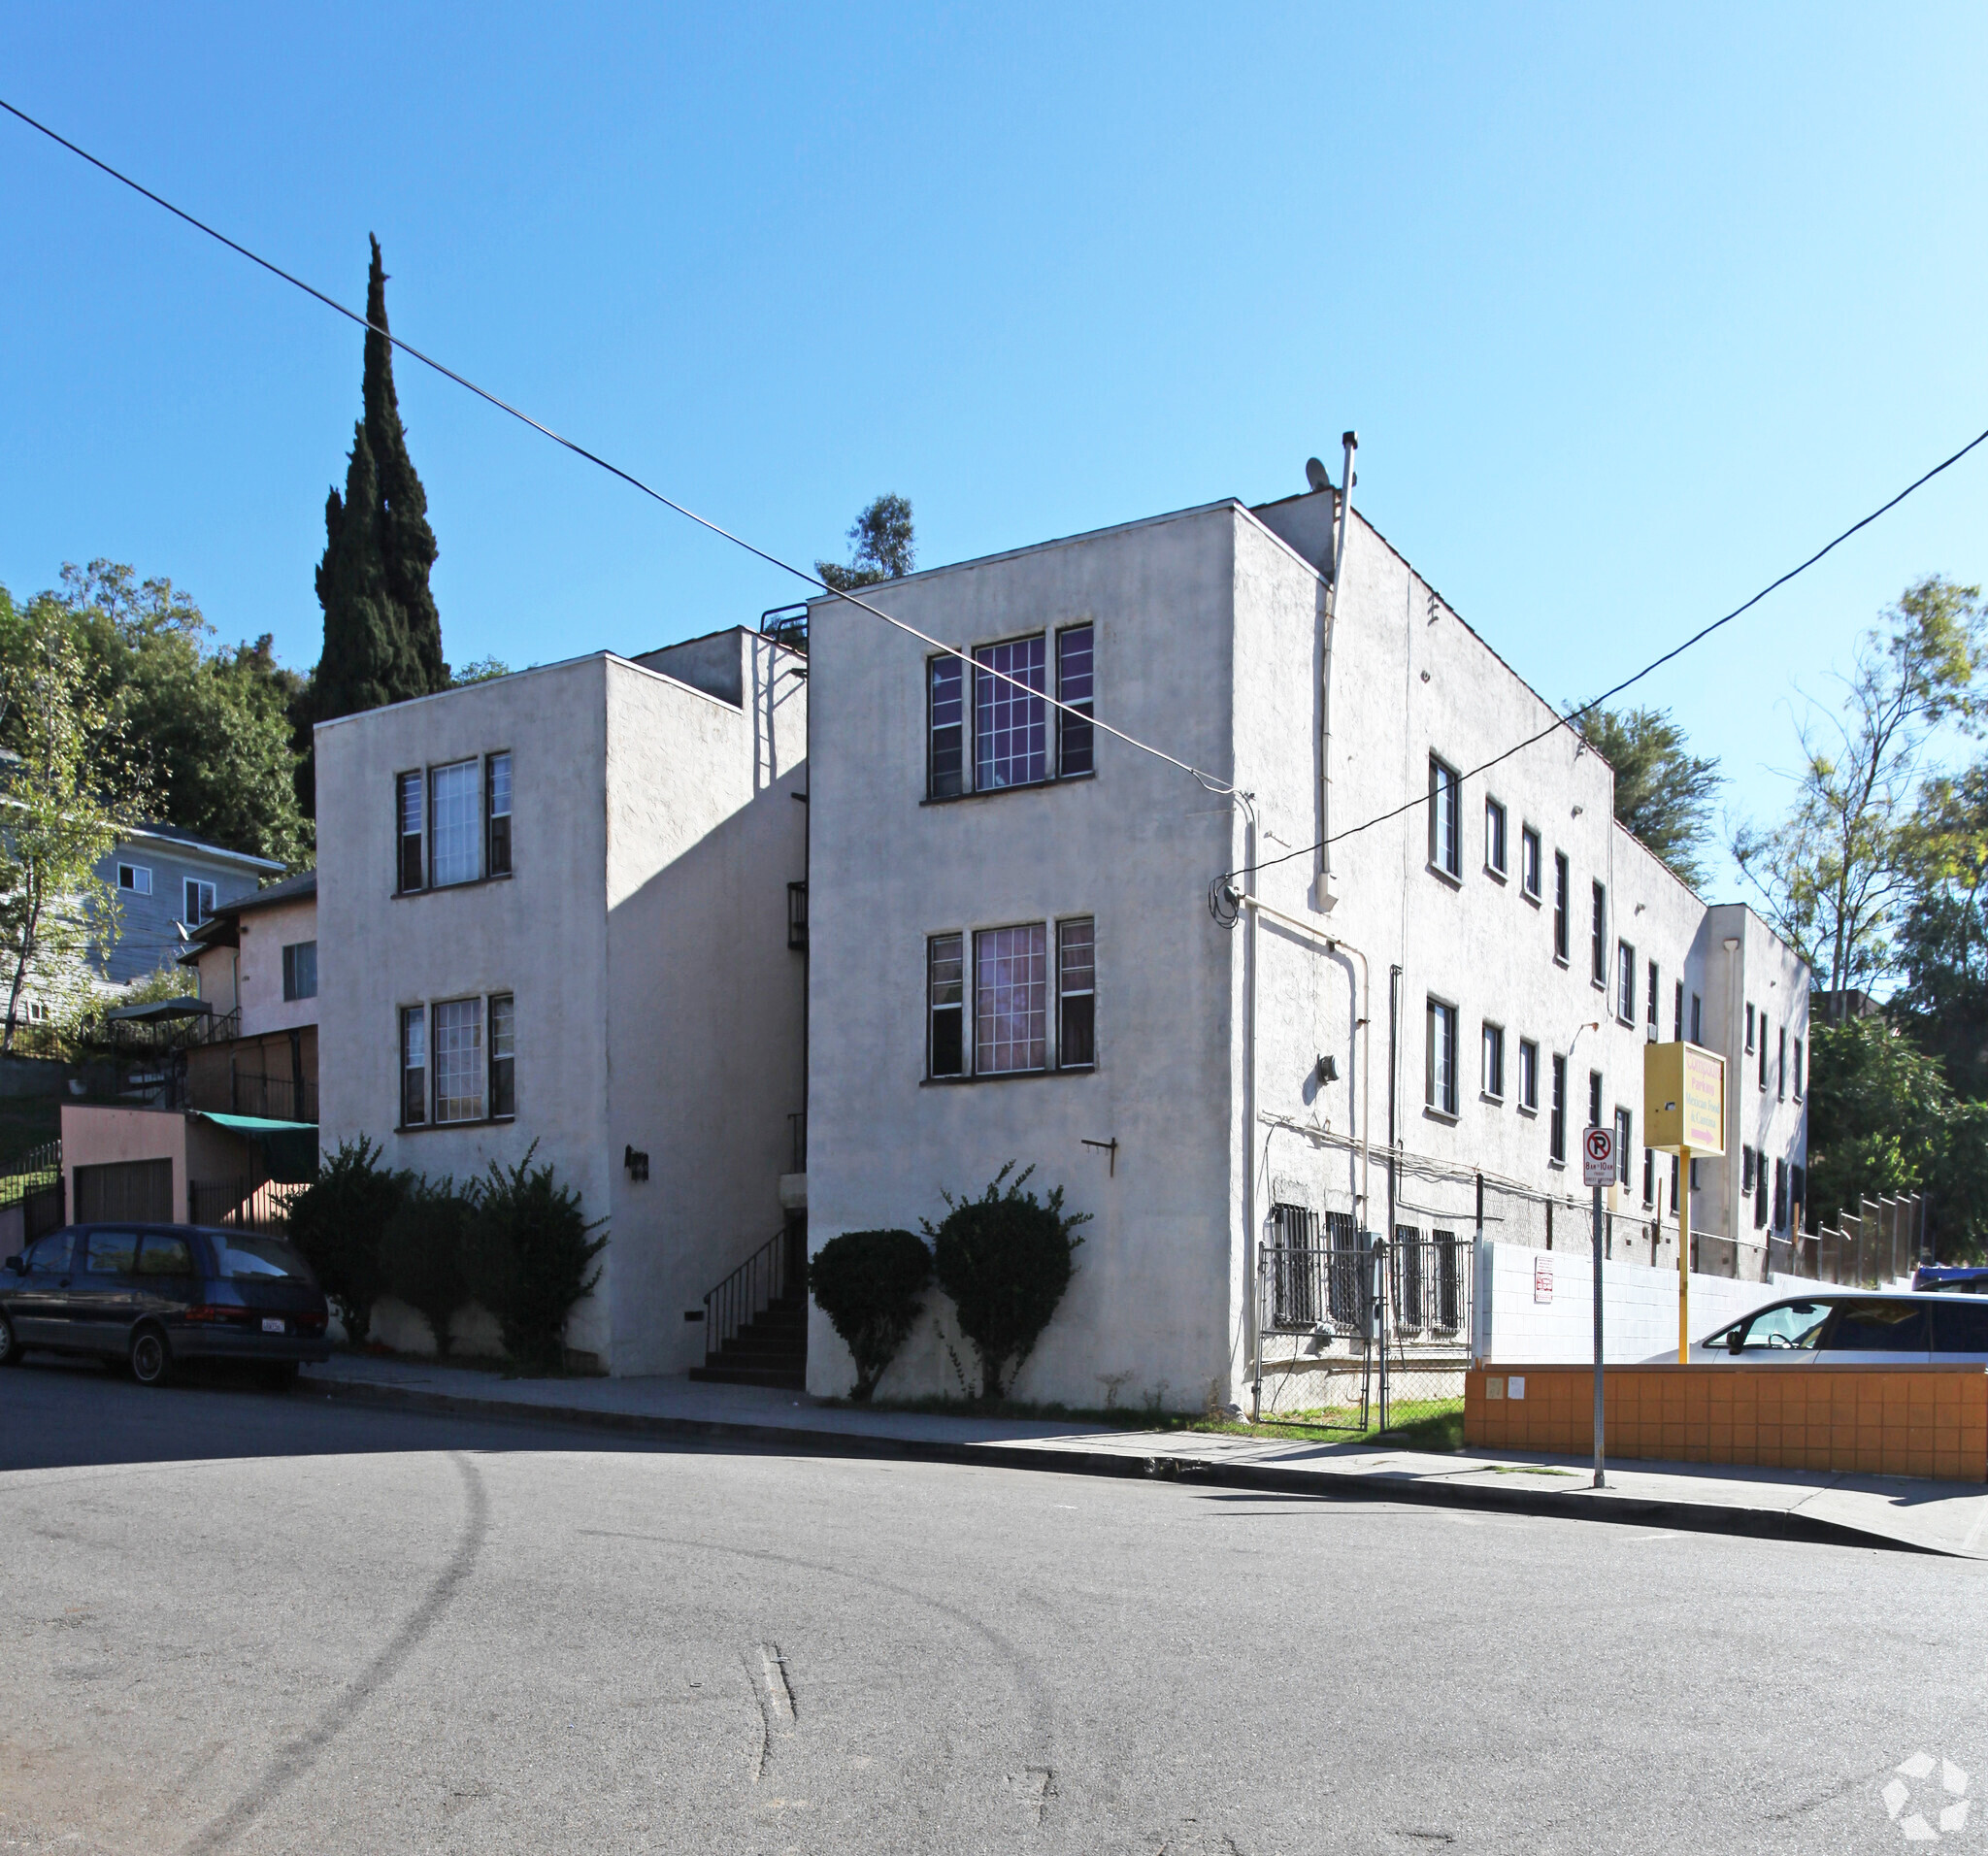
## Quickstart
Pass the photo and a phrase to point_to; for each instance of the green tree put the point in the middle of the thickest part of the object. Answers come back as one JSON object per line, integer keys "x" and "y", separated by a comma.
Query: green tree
{"x": 69, "y": 789}
{"x": 1835, "y": 873}
{"x": 871, "y": 1285}
{"x": 1662, "y": 791}
{"x": 883, "y": 547}
{"x": 1943, "y": 944}
{"x": 339, "y": 1222}
{"x": 382, "y": 637}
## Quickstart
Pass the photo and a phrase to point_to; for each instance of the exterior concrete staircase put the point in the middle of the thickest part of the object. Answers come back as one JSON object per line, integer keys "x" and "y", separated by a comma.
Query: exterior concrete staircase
{"x": 755, "y": 1322}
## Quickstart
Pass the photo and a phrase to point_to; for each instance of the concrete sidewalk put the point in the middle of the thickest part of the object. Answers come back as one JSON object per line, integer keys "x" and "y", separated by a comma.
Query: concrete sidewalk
{"x": 1863, "y": 1511}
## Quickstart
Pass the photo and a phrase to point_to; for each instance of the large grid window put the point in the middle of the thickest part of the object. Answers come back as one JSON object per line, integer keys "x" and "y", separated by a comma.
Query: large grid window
{"x": 1445, "y": 825}
{"x": 503, "y": 1055}
{"x": 409, "y": 812}
{"x": 413, "y": 1066}
{"x": 1010, "y": 725}
{"x": 1077, "y": 994}
{"x": 456, "y": 810}
{"x": 497, "y": 799}
{"x": 945, "y": 752}
{"x": 1010, "y": 999}
{"x": 458, "y": 1028}
{"x": 945, "y": 1005}
{"x": 1075, "y": 745}
{"x": 1439, "y": 1055}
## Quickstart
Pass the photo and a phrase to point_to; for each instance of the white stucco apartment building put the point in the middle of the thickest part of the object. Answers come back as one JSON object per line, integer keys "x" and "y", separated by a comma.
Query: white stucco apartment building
{"x": 552, "y": 910}
{"x": 1017, "y": 951}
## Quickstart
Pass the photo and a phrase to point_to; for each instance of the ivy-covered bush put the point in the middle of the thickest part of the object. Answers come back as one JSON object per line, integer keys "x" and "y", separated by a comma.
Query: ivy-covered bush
{"x": 1005, "y": 1258}
{"x": 868, "y": 1284}
{"x": 424, "y": 1253}
{"x": 338, "y": 1221}
{"x": 529, "y": 1248}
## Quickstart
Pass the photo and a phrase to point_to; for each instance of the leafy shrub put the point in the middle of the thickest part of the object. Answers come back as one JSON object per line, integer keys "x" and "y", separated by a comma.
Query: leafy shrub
{"x": 528, "y": 1253}
{"x": 424, "y": 1253}
{"x": 337, "y": 1222}
{"x": 869, "y": 1284}
{"x": 1005, "y": 1259}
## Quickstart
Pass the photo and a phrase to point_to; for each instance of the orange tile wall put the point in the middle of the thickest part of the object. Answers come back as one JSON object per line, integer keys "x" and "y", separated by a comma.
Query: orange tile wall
{"x": 1928, "y": 1421}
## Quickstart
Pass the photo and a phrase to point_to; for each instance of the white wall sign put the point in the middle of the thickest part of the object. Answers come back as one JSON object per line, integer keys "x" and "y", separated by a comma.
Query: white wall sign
{"x": 1543, "y": 1279}
{"x": 1598, "y": 1157}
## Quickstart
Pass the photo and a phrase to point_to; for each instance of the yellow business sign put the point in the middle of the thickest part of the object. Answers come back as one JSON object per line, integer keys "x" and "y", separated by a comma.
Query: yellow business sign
{"x": 1683, "y": 1097}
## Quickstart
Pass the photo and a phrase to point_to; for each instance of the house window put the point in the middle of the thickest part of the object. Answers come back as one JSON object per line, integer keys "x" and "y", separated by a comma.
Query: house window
{"x": 1745, "y": 1170}
{"x": 413, "y": 1066}
{"x": 1528, "y": 862}
{"x": 199, "y": 902}
{"x": 1494, "y": 837}
{"x": 1556, "y": 1136}
{"x": 1678, "y": 1015}
{"x": 497, "y": 825}
{"x": 1675, "y": 1176}
{"x": 1749, "y": 1031}
{"x": 945, "y": 992}
{"x": 1649, "y": 1176}
{"x": 455, "y": 812}
{"x": 414, "y": 856}
{"x": 1781, "y": 1066}
{"x": 1780, "y": 1195}
{"x": 1011, "y": 1000}
{"x": 1493, "y": 1062}
{"x": 459, "y": 1072}
{"x": 1624, "y": 1129}
{"x": 1763, "y": 1053}
{"x": 1560, "y": 906}
{"x": 1598, "y": 939}
{"x": 1445, "y": 851}
{"x": 1077, "y": 994}
{"x": 1529, "y": 1075}
{"x": 1797, "y": 1194}
{"x": 1697, "y": 1019}
{"x": 300, "y": 969}
{"x": 1797, "y": 1078}
{"x": 503, "y": 1055}
{"x": 946, "y": 753}
{"x": 1010, "y": 725}
{"x": 135, "y": 879}
{"x": 1594, "y": 1097}
{"x": 1440, "y": 1058}
{"x": 1625, "y": 983}
{"x": 1074, "y": 743}
{"x": 1759, "y": 1204}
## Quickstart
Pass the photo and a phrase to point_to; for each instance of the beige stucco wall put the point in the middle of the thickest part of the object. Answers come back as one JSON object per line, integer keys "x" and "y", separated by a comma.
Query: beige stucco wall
{"x": 264, "y": 934}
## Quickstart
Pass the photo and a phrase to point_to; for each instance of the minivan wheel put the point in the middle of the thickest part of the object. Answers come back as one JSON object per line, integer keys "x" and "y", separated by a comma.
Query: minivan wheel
{"x": 151, "y": 1361}
{"x": 10, "y": 1347}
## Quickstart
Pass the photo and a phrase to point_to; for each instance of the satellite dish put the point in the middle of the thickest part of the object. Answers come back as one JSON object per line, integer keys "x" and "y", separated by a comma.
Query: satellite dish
{"x": 1314, "y": 475}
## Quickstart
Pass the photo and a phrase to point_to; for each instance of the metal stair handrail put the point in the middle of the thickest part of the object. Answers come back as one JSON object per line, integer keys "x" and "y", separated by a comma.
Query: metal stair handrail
{"x": 765, "y": 1277}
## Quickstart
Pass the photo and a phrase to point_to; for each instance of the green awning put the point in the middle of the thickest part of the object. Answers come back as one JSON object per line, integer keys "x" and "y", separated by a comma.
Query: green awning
{"x": 290, "y": 1147}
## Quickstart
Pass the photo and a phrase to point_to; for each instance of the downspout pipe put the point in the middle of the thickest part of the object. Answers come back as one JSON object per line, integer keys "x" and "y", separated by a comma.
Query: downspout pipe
{"x": 1325, "y": 897}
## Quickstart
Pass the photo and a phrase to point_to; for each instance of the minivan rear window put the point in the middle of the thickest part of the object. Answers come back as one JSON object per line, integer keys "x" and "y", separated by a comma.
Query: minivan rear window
{"x": 1880, "y": 1327}
{"x": 247, "y": 1255}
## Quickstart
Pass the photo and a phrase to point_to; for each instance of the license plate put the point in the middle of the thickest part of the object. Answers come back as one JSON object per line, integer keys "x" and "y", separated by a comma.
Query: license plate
{"x": 270, "y": 1325}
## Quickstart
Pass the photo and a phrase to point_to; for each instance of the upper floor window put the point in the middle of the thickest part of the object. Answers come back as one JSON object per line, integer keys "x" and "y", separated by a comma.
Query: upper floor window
{"x": 300, "y": 969}
{"x": 1528, "y": 861}
{"x": 456, "y": 823}
{"x": 1697, "y": 1019}
{"x": 133, "y": 879}
{"x": 1598, "y": 958}
{"x": 1073, "y": 746}
{"x": 1781, "y": 1067}
{"x": 1010, "y": 723}
{"x": 1494, "y": 837}
{"x": 1763, "y": 1051}
{"x": 1077, "y": 993}
{"x": 1528, "y": 1076}
{"x": 1594, "y": 1097}
{"x": 1560, "y": 906}
{"x": 945, "y": 728}
{"x": 1492, "y": 1079}
{"x": 1797, "y": 1078}
{"x": 1624, "y": 1130}
{"x": 453, "y": 824}
{"x": 199, "y": 902}
{"x": 1677, "y": 1017}
{"x": 497, "y": 834}
{"x": 1018, "y": 1024}
{"x": 1749, "y": 1031}
{"x": 1653, "y": 1001}
{"x": 1010, "y": 720}
{"x": 1556, "y": 1127}
{"x": 1625, "y": 983}
{"x": 1446, "y": 847}
{"x": 459, "y": 1061}
{"x": 1440, "y": 1054}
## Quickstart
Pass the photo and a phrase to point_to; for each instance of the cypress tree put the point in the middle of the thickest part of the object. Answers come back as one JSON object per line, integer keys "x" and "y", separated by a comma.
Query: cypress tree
{"x": 382, "y": 637}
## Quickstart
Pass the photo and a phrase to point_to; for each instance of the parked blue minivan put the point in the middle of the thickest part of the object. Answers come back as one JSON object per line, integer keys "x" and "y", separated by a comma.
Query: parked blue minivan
{"x": 151, "y": 1296}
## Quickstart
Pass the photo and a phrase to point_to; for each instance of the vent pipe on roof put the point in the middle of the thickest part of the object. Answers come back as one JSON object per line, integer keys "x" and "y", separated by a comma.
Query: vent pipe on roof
{"x": 1324, "y": 895}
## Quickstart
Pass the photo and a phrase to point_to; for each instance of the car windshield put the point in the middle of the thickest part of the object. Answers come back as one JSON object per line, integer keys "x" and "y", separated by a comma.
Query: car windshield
{"x": 244, "y": 1255}
{"x": 1793, "y": 1324}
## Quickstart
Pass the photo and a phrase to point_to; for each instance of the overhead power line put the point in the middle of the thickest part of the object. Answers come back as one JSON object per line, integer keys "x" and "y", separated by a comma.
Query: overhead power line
{"x": 1208, "y": 780}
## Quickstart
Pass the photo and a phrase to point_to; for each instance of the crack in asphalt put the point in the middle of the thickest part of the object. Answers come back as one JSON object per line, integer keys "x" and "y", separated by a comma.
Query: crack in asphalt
{"x": 301, "y": 1753}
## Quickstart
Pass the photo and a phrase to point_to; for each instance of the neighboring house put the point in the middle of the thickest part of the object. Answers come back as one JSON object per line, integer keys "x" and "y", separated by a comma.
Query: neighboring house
{"x": 167, "y": 883}
{"x": 1024, "y": 947}
{"x": 254, "y": 964}
{"x": 554, "y": 921}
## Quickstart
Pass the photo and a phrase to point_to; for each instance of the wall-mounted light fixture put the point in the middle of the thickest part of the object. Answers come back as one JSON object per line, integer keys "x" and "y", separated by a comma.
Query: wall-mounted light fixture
{"x": 1328, "y": 1069}
{"x": 637, "y": 1163}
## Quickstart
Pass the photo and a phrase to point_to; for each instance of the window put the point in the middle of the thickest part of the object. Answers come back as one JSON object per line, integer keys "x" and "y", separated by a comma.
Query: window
{"x": 1597, "y": 938}
{"x": 300, "y": 969}
{"x": 1528, "y": 862}
{"x": 1749, "y": 1031}
{"x": 1745, "y": 1170}
{"x": 1673, "y": 1181}
{"x": 946, "y": 993}
{"x": 497, "y": 824}
{"x": 1760, "y": 1206}
{"x": 1074, "y": 743}
{"x": 1440, "y": 1053}
{"x": 1445, "y": 852}
{"x": 1697, "y": 1019}
{"x": 503, "y": 1055}
{"x": 1624, "y": 1128}
{"x": 133, "y": 879}
{"x": 1560, "y": 906}
{"x": 111, "y": 1253}
{"x": 1649, "y": 1176}
{"x": 1594, "y": 1097}
{"x": 1556, "y": 1136}
{"x": 1010, "y": 725}
{"x": 1077, "y": 1024}
{"x": 414, "y": 856}
{"x": 1781, "y": 1066}
{"x": 1625, "y": 983}
{"x": 199, "y": 902}
{"x": 1529, "y": 1075}
{"x": 1011, "y": 1000}
{"x": 1678, "y": 1015}
{"x": 162, "y": 1253}
{"x": 1797, "y": 1194}
{"x": 1652, "y": 1006}
{"x": 1763, "y": 1051}
{"x": 1493, "y": 1062}
{"x": 1780, "y": 1195}
{"x": 946, "y": 755}
{"x": 413, "y": 1066}
{"x": 1797, "y": 1078}
{"x": 1494, "y": 837}
{"x": 459, "y": 1074}
{"x": 455, "y": 813}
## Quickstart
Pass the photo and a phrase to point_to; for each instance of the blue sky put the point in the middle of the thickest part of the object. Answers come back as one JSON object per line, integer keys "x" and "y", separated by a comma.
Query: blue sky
{"x": 1631, "y": 313}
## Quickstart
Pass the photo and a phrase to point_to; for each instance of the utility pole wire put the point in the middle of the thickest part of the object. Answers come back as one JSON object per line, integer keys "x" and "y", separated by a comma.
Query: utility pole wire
{"x": 1208, "y": 780}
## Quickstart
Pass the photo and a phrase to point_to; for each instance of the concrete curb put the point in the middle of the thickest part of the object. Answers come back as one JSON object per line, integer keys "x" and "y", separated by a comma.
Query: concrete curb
{"x": 1321, "y": 1484}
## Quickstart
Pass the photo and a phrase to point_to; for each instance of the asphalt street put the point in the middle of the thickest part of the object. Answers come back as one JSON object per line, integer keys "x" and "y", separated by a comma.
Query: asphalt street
{"x": 235, "y": 1621}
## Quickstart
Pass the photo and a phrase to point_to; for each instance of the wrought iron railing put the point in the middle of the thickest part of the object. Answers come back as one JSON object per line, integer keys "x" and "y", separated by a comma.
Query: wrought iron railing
{"x": 240, "y": 1204}
{"x": 33, "y": 1172}
{"x": 776, "y": 1270}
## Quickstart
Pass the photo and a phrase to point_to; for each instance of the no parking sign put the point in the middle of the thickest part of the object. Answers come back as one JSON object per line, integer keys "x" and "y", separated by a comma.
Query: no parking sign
{"x": 1598, "y": 1157}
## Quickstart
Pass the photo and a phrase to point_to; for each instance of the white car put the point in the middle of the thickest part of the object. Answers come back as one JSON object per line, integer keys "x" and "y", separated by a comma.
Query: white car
{"x": 1847, "y": 1327}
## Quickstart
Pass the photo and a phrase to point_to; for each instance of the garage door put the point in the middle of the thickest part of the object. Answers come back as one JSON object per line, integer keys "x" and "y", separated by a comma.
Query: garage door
{"x": 138, "y": 1190}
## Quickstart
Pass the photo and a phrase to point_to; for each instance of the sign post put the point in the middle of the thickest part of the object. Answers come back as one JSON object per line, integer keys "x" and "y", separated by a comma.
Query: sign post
{"x": 1683, "y": 1113}
{"x": 1598, "y": 1169}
